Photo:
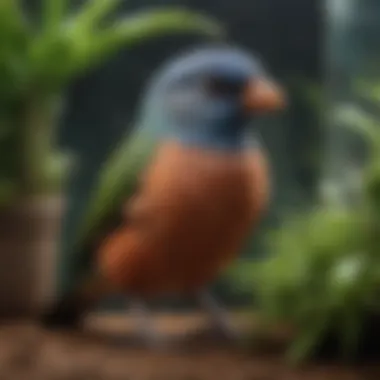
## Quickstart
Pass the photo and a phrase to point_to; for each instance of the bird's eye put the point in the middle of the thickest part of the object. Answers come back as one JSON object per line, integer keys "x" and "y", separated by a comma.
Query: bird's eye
{"x": 217, "y": 86}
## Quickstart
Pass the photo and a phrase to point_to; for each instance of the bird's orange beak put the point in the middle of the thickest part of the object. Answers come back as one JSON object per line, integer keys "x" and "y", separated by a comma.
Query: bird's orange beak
{"x": 263, "y": 95}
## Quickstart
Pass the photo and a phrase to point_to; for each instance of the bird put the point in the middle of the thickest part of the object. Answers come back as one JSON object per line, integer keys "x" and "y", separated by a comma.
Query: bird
{"x": 201, "y": 190}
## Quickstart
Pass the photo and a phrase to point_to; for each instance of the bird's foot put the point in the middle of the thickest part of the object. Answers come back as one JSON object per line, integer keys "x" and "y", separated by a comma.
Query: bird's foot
{"x": 148, "y": 335}
{"x": 222, "y": 328}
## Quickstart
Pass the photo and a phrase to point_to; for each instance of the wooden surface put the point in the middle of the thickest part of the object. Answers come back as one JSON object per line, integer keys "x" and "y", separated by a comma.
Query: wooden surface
{"x": 173, "y": 324}
{"x": 29, "y": 353}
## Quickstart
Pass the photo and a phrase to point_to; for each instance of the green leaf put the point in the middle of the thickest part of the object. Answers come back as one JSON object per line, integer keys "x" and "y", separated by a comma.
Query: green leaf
{"x": 323, "y": 275}
{"x": 13, "y": 25}
{"x": 13, "y": 39}
{"x": 97, "y": 47}
{"x": 147, "y": 23}
{"x": 50, "y": 61}
{"x": 8, "y": 192}
{"x": 91, "y": 13}
{"x": 351, "y": 327}
{"x": 308, "y": 338}
{"x": 53, "y": 14}
{"x": 57, "y": 168}
{"x": 57, "y": 59}
{"x": 368, "y": 91}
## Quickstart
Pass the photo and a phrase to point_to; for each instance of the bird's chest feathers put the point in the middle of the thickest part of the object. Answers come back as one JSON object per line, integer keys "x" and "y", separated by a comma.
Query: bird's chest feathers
{"x": 189, "y": 220}
{"x": 210, "y": 195}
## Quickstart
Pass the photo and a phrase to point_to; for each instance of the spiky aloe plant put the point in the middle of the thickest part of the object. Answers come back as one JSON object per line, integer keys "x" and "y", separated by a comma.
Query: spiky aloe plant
{"x": 323, "y": 275}
{"x": 38, "y": 61}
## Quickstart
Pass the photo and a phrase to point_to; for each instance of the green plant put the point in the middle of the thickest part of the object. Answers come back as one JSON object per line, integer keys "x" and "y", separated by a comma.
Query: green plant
{"x": 323, "y": 274}
{"x": 38, "y": 61}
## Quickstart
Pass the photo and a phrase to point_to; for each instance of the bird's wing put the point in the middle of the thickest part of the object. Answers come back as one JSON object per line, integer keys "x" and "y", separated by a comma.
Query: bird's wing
{"x": 118, "y": 181}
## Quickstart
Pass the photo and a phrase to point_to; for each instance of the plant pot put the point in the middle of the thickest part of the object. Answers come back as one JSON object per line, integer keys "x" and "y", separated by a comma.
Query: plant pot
{"x": 29, "y": 232}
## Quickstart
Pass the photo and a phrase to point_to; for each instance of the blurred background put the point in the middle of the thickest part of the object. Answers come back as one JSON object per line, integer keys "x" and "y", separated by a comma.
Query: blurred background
{"x": 68, "y": 99}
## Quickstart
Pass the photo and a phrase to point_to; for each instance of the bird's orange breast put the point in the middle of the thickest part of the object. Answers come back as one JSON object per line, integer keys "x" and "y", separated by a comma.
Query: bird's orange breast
{"x": 187, "y": 222}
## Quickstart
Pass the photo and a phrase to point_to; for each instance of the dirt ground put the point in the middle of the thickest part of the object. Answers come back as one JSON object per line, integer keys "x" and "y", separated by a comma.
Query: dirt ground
{"x": 29, "y": 353}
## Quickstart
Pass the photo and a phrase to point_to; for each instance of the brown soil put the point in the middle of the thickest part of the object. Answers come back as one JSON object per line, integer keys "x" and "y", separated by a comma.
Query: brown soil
{"x": 29, "y": 353}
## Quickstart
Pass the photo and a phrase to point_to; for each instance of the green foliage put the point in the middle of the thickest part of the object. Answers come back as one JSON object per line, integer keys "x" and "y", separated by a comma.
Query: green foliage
{"x": 69, "y": 45}
{"x": 323, "y": 274}
{"x": 37, "y": 62}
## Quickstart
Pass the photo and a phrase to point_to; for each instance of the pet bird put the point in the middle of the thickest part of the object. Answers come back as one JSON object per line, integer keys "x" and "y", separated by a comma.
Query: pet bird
{"x": 204, "y": 186}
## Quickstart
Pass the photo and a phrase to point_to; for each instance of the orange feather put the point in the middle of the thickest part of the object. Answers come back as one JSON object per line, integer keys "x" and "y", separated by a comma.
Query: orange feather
{"x": 188, "y": 221}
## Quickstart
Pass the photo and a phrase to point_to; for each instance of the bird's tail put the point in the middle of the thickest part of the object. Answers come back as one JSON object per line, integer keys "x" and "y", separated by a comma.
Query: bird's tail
{"x": 68, "y": 311}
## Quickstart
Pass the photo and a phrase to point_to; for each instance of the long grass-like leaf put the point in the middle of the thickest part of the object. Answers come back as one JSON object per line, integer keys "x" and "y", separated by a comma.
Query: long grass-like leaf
{"x": 57, "y": 61}
{"x": 91, "y": 13}
{"x": 309, "y": 337}
{"x": 8, "y": 192}
{"x": 368, "y": 91}
{"x": 137, "y": 28}
{"x": 13, "y": 23}
{"x": 159, "y": 21}
{"x": 53, "y": 14}
{"x": 359, "y": 122}
{"x": 14, "y": 37}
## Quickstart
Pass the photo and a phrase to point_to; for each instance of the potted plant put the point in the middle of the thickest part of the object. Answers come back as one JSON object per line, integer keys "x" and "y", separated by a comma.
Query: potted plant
{"x": 37, "y": 62}
{"x": 323, "y": 276}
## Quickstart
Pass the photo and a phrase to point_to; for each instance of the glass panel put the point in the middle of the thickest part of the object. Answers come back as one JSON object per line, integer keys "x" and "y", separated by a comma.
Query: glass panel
{"x": 352, "y": 68}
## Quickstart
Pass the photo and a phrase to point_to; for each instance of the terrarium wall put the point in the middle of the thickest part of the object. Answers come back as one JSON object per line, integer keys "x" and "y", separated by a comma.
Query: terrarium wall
{"x": 351, "y": 63}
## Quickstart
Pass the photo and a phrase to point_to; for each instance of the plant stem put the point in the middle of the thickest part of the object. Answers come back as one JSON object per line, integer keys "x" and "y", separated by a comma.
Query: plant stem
{"x": 36, "y": 138}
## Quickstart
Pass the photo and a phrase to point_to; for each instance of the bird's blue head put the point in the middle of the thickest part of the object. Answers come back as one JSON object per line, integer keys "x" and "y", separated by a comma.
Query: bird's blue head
{"x": 208, "y": 96}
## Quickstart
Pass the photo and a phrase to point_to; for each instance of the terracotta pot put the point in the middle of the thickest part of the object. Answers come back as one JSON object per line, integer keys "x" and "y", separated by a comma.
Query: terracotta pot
{"x": 29, "y": 233}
